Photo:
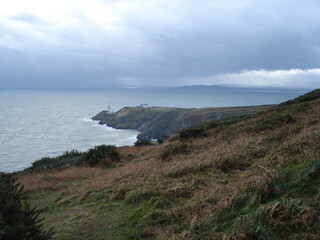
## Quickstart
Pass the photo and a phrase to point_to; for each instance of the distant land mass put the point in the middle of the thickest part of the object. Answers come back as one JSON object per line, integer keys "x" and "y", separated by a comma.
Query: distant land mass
{"x": 154, "y": 122}
{"x": 228, "y": 87}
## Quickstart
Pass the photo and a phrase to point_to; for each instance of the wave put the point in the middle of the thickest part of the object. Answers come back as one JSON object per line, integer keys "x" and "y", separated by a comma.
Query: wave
{"x": 87, "y": 120}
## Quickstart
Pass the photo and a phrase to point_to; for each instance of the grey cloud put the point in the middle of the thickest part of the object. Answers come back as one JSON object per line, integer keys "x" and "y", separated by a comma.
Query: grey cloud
{"x": 211, "y": 45}
{"x": 295, "y": 78}
{"x": 29, "y": 18}
{"x": 167, "y": 44}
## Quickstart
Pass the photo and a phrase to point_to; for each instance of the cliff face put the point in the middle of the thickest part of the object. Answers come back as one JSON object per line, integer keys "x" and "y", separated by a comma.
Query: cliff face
{"x": 154, "y": 122}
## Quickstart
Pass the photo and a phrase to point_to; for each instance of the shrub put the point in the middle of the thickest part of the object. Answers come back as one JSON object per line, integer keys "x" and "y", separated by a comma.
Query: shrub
{"x": 194, "y": 132}
{"x": 94, "y": 155}
{"x": 162, "y": 139}
{"x": 142, "y": 142}
{"x": 44, "y": 164}
{"x": 70, "y": 154}
{"x": 68, "y": 158}
{"x": 17, "y": 219}
{"x": 172, "y": 150}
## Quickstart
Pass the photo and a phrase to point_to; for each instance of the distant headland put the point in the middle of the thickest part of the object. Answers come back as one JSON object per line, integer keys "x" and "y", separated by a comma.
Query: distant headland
{"x": 154, "y": 122}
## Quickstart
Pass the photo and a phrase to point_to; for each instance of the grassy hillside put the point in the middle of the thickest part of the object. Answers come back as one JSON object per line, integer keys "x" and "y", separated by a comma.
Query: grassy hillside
{"x": 253, "y": 177}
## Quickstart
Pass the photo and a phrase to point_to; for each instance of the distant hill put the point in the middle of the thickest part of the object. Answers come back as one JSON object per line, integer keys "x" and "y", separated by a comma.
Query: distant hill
{"x": 223, "y": 87}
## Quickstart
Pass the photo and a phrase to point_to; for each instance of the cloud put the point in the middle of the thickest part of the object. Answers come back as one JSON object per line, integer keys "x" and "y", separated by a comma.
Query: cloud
{"x": 28, "y": 18}
{"x": 98, "y": 43}
{"x": 294, "y": 78}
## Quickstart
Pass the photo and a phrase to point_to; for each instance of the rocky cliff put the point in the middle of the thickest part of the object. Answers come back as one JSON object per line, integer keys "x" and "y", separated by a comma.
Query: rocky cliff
{"x": 154, "y": 122}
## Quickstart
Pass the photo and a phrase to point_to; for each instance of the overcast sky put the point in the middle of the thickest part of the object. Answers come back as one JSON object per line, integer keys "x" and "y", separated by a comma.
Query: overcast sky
{"x": 158, "y": 43}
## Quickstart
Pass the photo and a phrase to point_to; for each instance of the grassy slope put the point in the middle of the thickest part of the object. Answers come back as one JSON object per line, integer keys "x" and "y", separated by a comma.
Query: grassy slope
{"x": 258, "y": 178}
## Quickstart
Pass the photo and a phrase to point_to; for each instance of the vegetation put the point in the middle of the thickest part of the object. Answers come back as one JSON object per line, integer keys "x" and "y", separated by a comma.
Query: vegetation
{"x": 249, "y": 177}
{"x": 315, "y": 94}
{"x": 67, "y": 159}
{"x": 274, "y": 121}
{"x": 104, "y": 155}
{"x": 226, "y": 121}
{"x": 174, "y": 149}
{"x": 194, "y": 132}
{"x": 202, "y": 131}
{"x": 18, "y": 220}
{"x": 142, "y": 142}
{"x": 162, "y": 139}
{"x": 94, "y": 156}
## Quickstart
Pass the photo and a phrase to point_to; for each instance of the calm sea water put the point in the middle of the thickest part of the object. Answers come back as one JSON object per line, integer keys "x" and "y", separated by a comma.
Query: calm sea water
{"x": 39, "y": 123}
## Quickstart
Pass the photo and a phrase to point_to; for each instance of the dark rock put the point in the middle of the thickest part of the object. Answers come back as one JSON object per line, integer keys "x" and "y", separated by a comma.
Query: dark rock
{"x": 101, "y": 115}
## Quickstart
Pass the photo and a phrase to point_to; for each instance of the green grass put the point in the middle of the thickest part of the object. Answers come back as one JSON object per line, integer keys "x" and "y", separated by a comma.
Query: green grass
{"x": 89, "y": 218}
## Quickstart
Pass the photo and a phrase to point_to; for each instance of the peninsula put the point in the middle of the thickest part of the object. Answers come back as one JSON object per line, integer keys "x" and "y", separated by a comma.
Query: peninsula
{"x": 154, "y": 122}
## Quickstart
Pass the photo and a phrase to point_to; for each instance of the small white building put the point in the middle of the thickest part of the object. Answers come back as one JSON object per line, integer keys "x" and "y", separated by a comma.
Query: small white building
{"x": 143, "y": 105}
{"x": 109, "y": 109}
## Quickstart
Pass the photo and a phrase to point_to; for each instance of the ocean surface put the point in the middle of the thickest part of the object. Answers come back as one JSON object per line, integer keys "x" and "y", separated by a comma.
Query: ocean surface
{"x": 40, "y": 123}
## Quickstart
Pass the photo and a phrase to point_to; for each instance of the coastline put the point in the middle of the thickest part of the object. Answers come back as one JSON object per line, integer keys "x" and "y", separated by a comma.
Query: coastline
{"x": 154, "y": 122}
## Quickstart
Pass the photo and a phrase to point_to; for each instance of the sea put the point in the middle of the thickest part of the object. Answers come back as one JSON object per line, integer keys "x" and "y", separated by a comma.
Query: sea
{"x": 40, "y": 123}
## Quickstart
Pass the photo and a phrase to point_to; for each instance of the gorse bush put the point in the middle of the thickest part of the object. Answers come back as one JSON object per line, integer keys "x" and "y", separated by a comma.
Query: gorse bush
{"x": 44, "y": 164}
{"x": 72, "y": 153}
{"x": 194, "y": 132}
{"x": 18, "y": 220}
{"x": 172, "y": 150}
{"x": 67, "y": 159}
{"x": 162, "y": 139}
{"x": 142, "y": 142}
{"x": 94, "y": 155}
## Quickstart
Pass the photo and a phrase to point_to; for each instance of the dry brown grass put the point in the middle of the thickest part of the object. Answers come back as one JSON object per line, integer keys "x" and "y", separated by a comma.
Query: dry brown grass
{"x": 125, "y": 150}
{"x": 49, "y": 180}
